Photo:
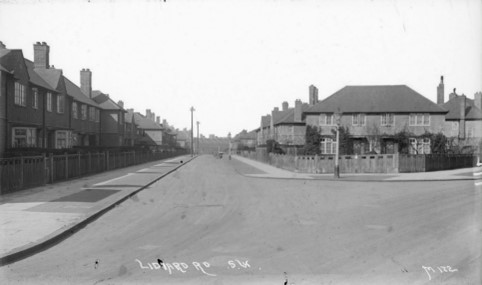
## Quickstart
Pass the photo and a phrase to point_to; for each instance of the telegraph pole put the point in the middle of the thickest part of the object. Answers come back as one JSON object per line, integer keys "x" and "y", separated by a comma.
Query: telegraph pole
{"x": 197, "y": 152}
{"x": 192, "y": 139}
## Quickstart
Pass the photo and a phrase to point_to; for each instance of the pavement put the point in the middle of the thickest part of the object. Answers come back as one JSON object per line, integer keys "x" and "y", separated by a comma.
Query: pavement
{"x": 35, "y": 219}
{"x": 268, "y": 171}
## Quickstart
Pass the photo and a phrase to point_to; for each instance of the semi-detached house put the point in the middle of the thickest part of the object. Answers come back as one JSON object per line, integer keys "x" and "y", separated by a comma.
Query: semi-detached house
{"x": 374, "y": 114}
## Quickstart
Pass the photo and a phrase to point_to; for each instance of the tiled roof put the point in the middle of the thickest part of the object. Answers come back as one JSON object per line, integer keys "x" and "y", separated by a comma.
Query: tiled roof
{"x": 74, "y": 91}
{"x": 376, "y": 99}
{"x": 14, "y": 62}
{"x": 51, "y": 76}
{"x": 146, "y": 124}
{"x": 289, "y": 116}
{"x": 104, "y": 101}
{"x": 453, "y": 106}
{"x": 35, "y": 78}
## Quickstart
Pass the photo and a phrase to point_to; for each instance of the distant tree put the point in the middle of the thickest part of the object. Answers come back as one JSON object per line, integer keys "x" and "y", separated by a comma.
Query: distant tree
{"x": 312, "y": 140}
{"x": 346, "y": 142}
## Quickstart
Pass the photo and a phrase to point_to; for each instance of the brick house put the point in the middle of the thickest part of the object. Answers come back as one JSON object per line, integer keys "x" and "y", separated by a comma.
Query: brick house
{"x": 149, "y": 132}
{"x": 35, "y": 113}
{"x": 374, "y": 114}
{"x": 463, "y": 121}
{"x": 286, "y": 126}
{"x": 130, "y": 133}
{"x": 112, "y": 116}
{"x": 245, "y": 140}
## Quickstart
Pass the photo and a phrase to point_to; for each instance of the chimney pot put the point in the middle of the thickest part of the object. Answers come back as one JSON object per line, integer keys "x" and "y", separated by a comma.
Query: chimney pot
{"x": 285, "y": 106}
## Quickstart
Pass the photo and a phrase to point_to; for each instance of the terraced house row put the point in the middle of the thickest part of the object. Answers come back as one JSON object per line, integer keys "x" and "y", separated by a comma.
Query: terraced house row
{"x": 41, "y": 108}
{"x": 374, "y": 115}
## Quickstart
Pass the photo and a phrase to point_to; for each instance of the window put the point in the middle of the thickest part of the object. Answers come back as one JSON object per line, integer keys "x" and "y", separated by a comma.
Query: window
{"x": 328, "y": 146}
{"x": 75, "y": 113}
{"x": 63, "y": 139}
{"x": 83, "y": 111}
{"x": 419, "y": 120}
{"x": 49, "y": 101}
{"x": 326, "y": 120}
{"x": 358, "y": 119}
{"x": 97, "y": 115}
{"x": 34, "y": 98}
{"x": 60, "y": 103}
{"x": 91, "y": 113}
{"x": 387, "y": 119}
{"x": 20, "y": 94}
{"x": 24, "y": 137}
{"x": 419, "y": 146}
{"x": 455, "y": 126}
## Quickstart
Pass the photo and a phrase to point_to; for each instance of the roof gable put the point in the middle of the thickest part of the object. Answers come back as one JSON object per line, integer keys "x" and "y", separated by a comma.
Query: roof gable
{"x": 14, "y": 62}
{"x": 453, "y": 107}
{"x": 104, "y": 101}
{"x": 75, "y": 92}
{"x": 376, "y": 99}
{"x": 146, "y": 124}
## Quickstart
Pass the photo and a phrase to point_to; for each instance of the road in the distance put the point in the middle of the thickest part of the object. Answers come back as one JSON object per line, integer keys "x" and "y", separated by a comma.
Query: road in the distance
{"x": 204, "y": 218}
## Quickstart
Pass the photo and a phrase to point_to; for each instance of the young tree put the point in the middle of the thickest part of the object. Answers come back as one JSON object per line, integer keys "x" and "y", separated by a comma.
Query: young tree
{"x": 346, "y": 142}
{"x": 312, "y": 140}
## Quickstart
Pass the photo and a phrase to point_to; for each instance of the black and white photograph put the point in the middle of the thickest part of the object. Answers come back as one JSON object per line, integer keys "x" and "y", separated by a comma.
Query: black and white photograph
{"x": 225, "y": 142}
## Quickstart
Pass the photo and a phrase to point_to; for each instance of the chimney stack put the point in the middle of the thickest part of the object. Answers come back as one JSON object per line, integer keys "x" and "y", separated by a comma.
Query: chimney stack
{"x": 164, "y": 123}
{"x": 452, "y": 95}
{"x": 121, "y": 104}
{"x": 148, "y": 114}
{"x": 463, "y": 105}
{"x": 158, "y": 120}
{"x": 86, "y": 82}
{"x": 313, "y": 95}
{"x": 41, "y": 55}
{"x": 298, "y": 110}
{"x": 2, "y": 46}
{"x": 478, "y": 100}
{"x": 441, "y": 91}
{"x": 285, "y": 106}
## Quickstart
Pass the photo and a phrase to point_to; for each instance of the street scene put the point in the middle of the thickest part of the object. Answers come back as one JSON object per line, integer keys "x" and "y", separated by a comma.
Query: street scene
{"x": 215, "y": 221}
{"x": 240, "y": 142}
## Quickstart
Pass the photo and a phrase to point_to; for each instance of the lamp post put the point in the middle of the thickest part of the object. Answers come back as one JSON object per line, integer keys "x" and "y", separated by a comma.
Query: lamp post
{"x": 192, "y": 140}
{"x": 337, "y": 152}
{"x": 197, "y": 142}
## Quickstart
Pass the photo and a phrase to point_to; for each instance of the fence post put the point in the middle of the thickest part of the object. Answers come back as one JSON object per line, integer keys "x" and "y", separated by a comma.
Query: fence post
{"x": 106, "y": 153}
{"x": 78, "y": 157}
{"x": 66, "y": 166}
{"x": 89, "y": 158}
{"x": 21, "y": 172}
{"x": 45, "y": 168}
{"x": 51, "y": 158}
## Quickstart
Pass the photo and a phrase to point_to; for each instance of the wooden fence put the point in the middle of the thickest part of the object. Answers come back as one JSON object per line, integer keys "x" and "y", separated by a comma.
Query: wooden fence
{"x": 370, "y": 163}
{"x": 30, "y": 171}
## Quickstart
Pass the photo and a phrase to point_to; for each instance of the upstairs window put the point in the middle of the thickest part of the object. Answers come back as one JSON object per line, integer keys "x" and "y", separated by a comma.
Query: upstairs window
{"x": 83, "y": 112}
{"x": 91, "y": 113}
{"x": 419, "y": 120}
{"x": 49, "y": 102}
{"x": 327, "y": 120}
{"x": 20, "y": 94}
{"x": 387, "y": 119}
{"x": 34, "y": 98}
{"x": 60, "y": 103}
{"x": 75, "y": 112}
{"x": 358, "y": 120}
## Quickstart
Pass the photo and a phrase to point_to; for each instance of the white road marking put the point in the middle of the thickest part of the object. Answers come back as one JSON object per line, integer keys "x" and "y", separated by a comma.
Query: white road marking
{"x": 478, "y": 183}
{"x": 477, "y": 173}
{"x": 105, "y": 182}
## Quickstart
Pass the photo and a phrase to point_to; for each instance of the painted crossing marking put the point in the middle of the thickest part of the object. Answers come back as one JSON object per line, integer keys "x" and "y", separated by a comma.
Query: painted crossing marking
{"x": 105, "y": 182}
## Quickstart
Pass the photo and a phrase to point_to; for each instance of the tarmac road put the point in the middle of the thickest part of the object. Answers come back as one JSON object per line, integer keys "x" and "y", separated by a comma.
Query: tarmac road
{"x": 207, "y": 223}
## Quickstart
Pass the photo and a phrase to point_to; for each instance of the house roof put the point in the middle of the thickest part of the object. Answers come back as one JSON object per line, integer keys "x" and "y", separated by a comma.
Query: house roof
{"x": 51, "y": 76}
{"x": 35, "y": 78}
{"x": 129, "y": 116}
{"x": 104, "y": 101}
{"x": 376, "y": 99}
{"x": 14, "y": 62}
{"x": 144, "y": 123}
{"x": 74, "y": 91}
{"x": 245, "y": 135}
{"x": 453, "y": 106}
{"x": 289, "y": 116}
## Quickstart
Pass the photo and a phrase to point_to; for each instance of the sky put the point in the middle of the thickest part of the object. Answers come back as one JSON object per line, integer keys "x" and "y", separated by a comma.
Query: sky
{"x": 234, "y": 61}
